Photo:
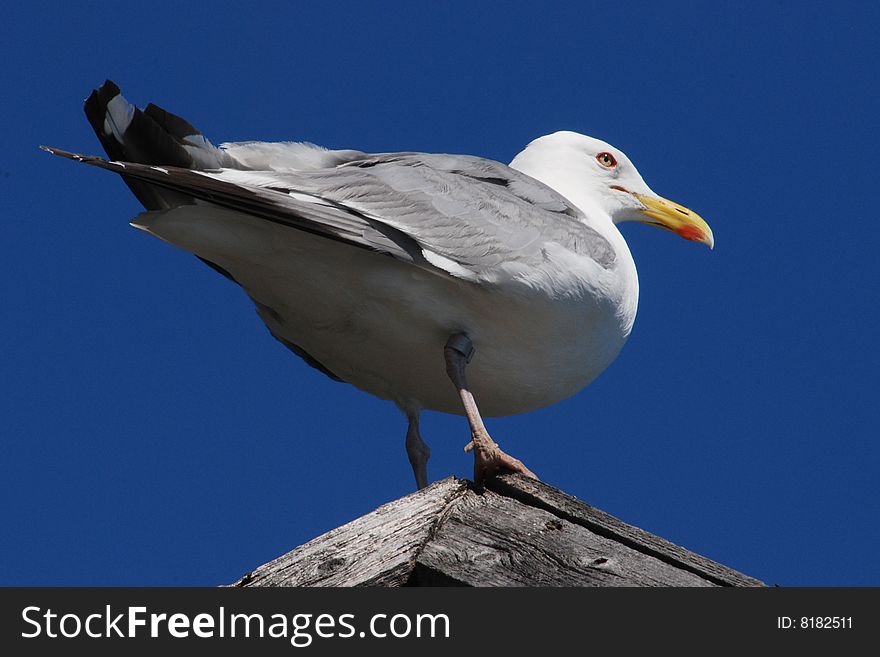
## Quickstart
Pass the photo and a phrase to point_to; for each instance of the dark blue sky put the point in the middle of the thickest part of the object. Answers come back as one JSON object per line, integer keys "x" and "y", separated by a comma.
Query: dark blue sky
{"x": 154, "y": 433}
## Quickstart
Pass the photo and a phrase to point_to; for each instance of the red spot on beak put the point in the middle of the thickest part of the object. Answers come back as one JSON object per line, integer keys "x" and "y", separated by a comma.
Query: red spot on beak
{"x": 691, "y": 233}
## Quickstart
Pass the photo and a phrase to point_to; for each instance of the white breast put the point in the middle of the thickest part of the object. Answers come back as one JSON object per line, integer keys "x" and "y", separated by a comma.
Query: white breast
{"x": 381, "y": 325}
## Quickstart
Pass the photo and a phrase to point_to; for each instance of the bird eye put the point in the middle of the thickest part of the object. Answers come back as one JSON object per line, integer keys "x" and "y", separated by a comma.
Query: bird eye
{"x": 607, "y": 160}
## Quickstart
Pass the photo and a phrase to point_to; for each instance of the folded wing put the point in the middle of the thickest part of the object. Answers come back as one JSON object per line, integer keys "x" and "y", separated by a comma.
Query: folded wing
{"x": 458, "y": 216}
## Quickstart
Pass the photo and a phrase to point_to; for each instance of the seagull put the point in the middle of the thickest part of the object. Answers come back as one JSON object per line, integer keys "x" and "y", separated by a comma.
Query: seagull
{"x": 403, "y": 273}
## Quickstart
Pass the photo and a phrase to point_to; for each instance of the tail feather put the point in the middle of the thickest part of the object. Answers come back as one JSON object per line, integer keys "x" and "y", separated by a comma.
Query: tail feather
{"x": 176, "y": 126}
{"x": 152, "y": 136}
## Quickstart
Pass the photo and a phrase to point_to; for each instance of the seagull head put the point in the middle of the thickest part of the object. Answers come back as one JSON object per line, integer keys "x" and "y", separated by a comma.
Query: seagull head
{"x": 601, "y": 180}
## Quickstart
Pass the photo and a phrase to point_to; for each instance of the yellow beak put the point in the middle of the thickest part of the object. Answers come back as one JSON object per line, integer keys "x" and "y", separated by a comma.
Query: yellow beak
{"x": 677, "y": 218}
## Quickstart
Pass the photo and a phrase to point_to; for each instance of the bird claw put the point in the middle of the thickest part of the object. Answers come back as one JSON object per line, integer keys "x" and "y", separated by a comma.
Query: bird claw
{"x": 490, "y": 461}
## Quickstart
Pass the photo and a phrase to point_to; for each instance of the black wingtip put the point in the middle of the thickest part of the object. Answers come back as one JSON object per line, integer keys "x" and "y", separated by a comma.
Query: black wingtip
{"x": 151, "y": 136}
{"x": 174, "y": 125}
{"x": 62, "y": 153}
{"x": 95, "y": 109}
{"x": 146, "y": 138}
{"x": 97, "y": 101}
{"x": 103, "y": 94}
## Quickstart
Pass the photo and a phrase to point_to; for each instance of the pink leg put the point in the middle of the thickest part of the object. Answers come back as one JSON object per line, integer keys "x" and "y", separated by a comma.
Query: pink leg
{"x": 489, "y": 460}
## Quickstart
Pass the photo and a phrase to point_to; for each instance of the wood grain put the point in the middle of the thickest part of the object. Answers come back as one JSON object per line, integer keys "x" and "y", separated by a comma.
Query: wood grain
{"x": 492, "y": 540}
{"x": 517, "y": 532}
{"x": 378, "y": 549}
{"x": 540, "y": 495}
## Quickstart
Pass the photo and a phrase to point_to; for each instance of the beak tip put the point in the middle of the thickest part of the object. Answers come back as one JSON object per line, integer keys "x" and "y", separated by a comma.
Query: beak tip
{"x": 694, "y": 233}
{"x": 676, "y": 218}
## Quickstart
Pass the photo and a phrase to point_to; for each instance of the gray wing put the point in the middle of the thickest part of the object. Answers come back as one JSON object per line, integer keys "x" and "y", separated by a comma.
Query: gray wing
{"x": 262, "y": 194}
{"x": 457, "y": 215}
{"x": 473, "y": 212}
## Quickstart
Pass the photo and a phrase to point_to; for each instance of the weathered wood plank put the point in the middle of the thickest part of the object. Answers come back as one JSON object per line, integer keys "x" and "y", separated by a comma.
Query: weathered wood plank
{"x": 492, "y": 540}
{"x": 378, "y": 549}
{"x": 540, "y": 495}
{"x": 520, "y": 532}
